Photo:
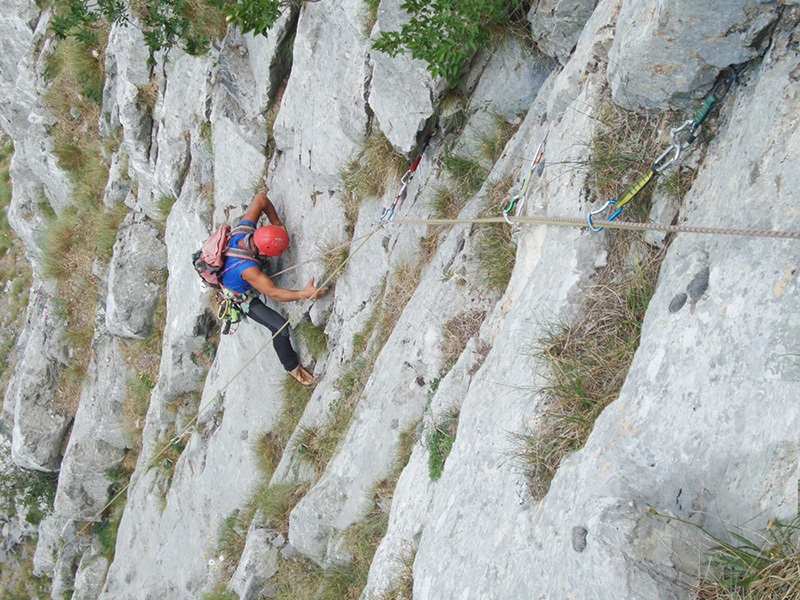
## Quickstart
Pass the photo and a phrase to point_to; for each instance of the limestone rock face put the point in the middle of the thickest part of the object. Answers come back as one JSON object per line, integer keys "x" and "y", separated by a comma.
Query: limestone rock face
{"x": 672, "y": 51}
{"x": 557, "y": 24}
{"x": 38, "y": 427}
{"x": 704, "y": 427}
{"x": 133, "y": 290}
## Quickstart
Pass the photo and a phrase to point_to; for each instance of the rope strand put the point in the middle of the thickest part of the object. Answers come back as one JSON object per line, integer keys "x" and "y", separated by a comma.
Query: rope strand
{"x": 568, "y": 222}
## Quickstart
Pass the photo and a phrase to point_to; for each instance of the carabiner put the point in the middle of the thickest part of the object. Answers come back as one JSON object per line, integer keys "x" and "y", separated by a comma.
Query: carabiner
{"x": 675, "y": 147}
{"x": 612, "y": 216}
{"x": 387, "y": 215}
{"x": 537, "y": 159}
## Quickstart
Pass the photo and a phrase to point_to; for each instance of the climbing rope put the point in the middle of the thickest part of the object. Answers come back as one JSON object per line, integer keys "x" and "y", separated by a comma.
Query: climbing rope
{"x": 681, "y": 137}
{"x": 612, "y": 224}
{"x": 190, "y": 425}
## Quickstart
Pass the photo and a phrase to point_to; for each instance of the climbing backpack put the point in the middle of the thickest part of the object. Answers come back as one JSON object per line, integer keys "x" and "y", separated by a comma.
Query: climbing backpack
{"x": 209, "y": 260}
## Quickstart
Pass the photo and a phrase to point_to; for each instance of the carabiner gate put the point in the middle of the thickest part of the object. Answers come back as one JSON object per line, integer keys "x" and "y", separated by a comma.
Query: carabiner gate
{"x": 614, "y": 214}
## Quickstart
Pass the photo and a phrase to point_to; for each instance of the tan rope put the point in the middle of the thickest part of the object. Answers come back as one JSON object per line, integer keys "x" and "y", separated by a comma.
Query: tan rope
{"x": 567, "y": 222}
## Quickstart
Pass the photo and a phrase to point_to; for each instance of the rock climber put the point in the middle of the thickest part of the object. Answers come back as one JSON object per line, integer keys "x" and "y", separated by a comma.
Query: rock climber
{"x": 242, "y": 275}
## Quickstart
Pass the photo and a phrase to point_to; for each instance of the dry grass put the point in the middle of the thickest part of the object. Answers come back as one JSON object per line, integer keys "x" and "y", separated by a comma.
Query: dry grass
{"x": 403, "y": 585}
{"x": 332, "y": 256}
{"x": 492, "y": 143}
{"x": 496, "y": 251}
{"x": 622, "y": 148}
{"x": 458, "y": 331}
{"x": 588, "y": 361}
{"x": 370, "y": 174}
{"x": 147, "y": 93}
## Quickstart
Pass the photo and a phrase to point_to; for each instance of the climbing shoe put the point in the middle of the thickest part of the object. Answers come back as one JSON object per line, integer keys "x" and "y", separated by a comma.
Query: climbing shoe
{"x": 302, "y": 376}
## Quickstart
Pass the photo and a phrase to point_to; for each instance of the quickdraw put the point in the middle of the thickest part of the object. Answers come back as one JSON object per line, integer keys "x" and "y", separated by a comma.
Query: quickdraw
{"x": 388, "y": 213}
{"x": 519, "y": 199}
{"x": 680, "y": 137}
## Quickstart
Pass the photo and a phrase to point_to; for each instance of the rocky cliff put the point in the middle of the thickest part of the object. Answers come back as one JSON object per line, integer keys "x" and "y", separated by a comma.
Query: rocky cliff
{"x": 703, "y": 429}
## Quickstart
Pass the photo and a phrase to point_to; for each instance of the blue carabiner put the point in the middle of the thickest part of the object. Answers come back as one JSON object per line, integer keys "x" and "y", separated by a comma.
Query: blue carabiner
{"x": 612, "y": 216}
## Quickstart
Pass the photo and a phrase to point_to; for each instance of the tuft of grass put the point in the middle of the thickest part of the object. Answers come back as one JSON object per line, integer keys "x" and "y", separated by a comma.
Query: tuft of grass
{"x": 371, "y": 16}
{"x": 164, "y": 205}
{"x": 105, "y": 530}
{"x": 492, "y": 143}
{"x": 441, "y": 442}
{"x": 468, "y": 174}
{"x": 275, "y": 503}
{"x": 759, "y": 566}
{"x": 446, "y": 202}
{"x": 298, "y": 578}
{"x": 147, "y": 93}
{"x": 678, "y": 181}
{"x": 403, "y": 584}
{"x": 295, "y": 397}
{"x": 621, "y": 149}
{"x": 268, "y": 449}
{"x": 371, "y": 172}
{"x": 749, "y": 565}
{"x": 231, "y": 539}
{"x": 588, "y": 361}
{"x": 312, "y": 337}
{"x": 332, "y": 258}
{"x": 496, "y": 250}
{"x": 458, "y": 331}
{"x": 220, "y": 591}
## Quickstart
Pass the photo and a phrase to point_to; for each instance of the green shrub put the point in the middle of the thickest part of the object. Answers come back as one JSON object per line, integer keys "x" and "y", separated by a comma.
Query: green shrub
{"x": 445, "y": 33}
{"x": 191, "y": 24}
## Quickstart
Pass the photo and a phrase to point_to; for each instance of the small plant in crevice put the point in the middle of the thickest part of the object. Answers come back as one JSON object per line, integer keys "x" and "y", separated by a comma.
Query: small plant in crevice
{"x": 749, "y": 565}
{"x": 496, "y": 250}
{"x": 402, "y": 586}
{"x": 332, "y": 256}
{"x": 274, "y": 503}
{"x": 105, "y": 530}
{"x": 441, "y": 442}
{"x": 457, "y": 332}
{"x": 467, "y": 174}
{"x": 164, "y": 205}
{"x": 312, "y": 337}
{"x": 587, "y": 360}
{"x": 623, "y": 147}
{"x": 370, "y": 173}
{"x": 492, "y": 143}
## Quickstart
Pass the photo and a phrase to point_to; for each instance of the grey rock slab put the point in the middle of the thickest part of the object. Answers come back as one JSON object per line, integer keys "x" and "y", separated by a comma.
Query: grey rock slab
{"x": 133, "y": 278}
{"x": 556, "y": 25}
{"x": 31, "y": 397}
{"x": 667, "y": 52}
{"x": 401, "y": 90}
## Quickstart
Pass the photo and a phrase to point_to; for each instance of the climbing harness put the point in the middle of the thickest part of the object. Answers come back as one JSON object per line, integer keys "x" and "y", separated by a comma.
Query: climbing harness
{"x": 232, "y": 308}
{"x": 680, "y": 138}
{"x": 519, "y": 199}
{"x": 388, "y": 213}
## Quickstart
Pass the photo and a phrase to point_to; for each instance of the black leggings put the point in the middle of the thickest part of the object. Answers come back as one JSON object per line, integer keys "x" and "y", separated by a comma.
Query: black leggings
{"x": 264, "y": 315}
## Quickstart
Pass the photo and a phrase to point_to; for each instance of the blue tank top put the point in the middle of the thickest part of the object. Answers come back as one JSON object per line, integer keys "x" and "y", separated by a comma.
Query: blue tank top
{"x": 232, "y": 271}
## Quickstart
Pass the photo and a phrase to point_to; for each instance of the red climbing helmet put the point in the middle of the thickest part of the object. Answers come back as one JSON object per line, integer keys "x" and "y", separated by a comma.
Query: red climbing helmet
{"x": 271, "y": 240}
